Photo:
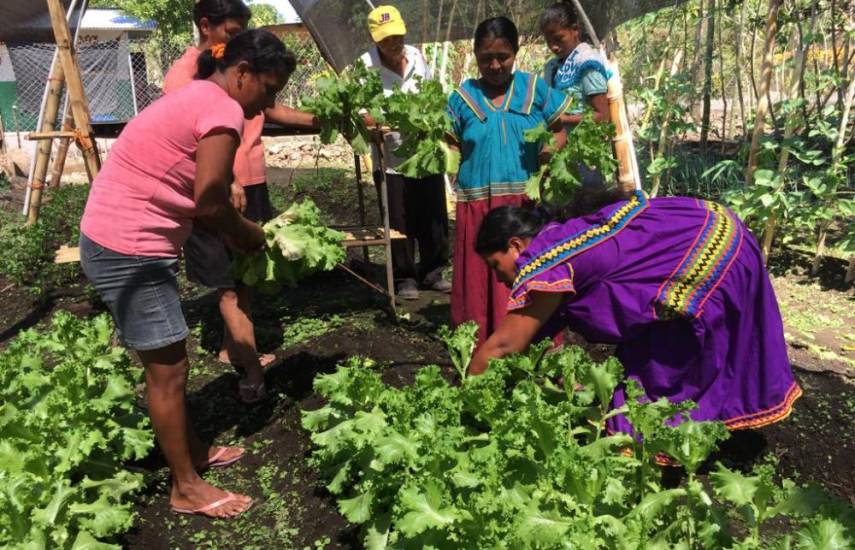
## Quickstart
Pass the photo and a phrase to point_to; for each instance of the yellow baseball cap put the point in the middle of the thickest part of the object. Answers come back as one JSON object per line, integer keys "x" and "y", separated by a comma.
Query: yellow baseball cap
{"x": 385, "y": 21}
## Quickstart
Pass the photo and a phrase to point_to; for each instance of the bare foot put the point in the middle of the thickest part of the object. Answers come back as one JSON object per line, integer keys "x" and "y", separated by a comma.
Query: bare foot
{"x": 197, "y": 497}
{"x": 266, "y": 359}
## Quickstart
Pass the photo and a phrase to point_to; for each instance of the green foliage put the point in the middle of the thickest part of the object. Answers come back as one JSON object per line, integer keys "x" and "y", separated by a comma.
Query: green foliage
{"x": 419, "y": 117}
{"x": 263, "y": 15}
{"x": 339, "y": 102}
{"x": 67, "y": 422}
{"x": 460, "y": 344}
{"x": 306, "y": 328}
{"x": 298, "y": 243}
{"x": 27, "y": 255}
{"x": 508, "y": 459}
{"x": 174, "y": 18}
{"x": 589, "y": 144}
{"x": 422, "y": 121}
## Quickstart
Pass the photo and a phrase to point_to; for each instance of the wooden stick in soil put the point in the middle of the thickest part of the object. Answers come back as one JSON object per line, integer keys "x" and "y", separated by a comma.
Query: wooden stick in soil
{"x": 766, "y": 70}
{"x": 56, "y": 81}
{"x": 76, "y": 94}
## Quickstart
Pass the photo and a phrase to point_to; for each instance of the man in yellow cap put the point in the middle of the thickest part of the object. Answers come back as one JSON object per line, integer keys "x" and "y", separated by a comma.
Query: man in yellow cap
{"x": 416, "y": 206}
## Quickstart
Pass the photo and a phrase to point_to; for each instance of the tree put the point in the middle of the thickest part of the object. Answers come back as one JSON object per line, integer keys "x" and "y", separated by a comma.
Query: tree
{"x": 763, "y": 95}
{"x": 174, "y": 18}
{"x": 263, "y": 15}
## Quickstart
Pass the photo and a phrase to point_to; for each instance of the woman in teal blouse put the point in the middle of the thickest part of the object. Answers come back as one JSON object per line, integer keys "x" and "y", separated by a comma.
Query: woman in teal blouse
{"x": 489, "y": 117}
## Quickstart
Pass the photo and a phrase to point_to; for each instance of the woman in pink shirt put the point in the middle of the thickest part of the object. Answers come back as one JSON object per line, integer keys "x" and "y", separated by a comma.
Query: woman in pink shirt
{"x": 207, "y": 259}
{"x": 171, "y": 169}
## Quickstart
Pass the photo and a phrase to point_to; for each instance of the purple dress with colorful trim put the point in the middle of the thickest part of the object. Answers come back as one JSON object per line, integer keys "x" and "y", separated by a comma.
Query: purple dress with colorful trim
{"x": 680, "y": 286}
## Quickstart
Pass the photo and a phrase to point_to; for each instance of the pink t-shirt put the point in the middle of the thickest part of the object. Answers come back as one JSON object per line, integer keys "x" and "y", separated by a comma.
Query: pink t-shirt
{"x": 142, "y": 203}
{"x": 249, "y": 167}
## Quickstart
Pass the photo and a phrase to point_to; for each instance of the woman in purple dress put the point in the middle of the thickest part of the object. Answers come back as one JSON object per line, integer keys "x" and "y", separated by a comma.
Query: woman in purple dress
{"x": 678, "y": 284}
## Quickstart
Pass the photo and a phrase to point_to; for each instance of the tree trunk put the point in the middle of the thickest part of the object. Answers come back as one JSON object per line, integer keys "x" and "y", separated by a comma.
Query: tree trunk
{"x": 708, "y": 71}
{"x": 696, "y": 60}
{"x": 723, "y": 137}
{"x": 433, "y": 59}
{"x": 738, "y": 67}
{"x": 760, "y": 119}
{"x": 836, "y": 63}
{"x": 443, "y": 67}
{"x": 751, "y": 71}
{"x": 790, "y": 126}
{"x": 835, "y": 158}
{"x": 663, "y": 131}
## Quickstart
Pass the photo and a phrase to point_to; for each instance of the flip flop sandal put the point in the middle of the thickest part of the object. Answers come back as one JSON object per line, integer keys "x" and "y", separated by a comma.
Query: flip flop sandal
{"x": 230, "y": 497}
{"x": 217, "y": 462}
{"x": 273, "y": 362}
{"x": 251, "y": 393}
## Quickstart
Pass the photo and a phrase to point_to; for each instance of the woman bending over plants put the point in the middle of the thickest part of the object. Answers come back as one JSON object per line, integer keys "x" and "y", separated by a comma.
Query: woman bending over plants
{"x": 171, "y": 169}
{"x": 678, "y": 284}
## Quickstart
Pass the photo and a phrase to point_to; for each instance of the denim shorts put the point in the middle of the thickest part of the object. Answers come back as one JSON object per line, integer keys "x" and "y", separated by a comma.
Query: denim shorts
{"x": 141, "y": 293}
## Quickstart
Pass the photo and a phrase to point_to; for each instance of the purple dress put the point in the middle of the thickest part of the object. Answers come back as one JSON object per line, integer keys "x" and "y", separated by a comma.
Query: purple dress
{"x": 680, "y": 286}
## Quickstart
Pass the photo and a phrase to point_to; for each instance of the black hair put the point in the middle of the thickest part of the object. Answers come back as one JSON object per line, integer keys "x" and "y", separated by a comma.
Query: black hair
{"x": 217, "y": 11}
{"x": 504, "y": 222}
{"x": 498, "y": 27}
{"x": 561, "y": 14}
{"x": 264, "y": 52}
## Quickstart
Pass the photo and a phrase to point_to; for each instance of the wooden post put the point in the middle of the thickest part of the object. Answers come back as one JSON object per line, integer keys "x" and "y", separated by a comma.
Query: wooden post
{"x": 49, "y": 112}
{"x": 628, "y": 177}
{"x": 76, "y": 94}
{"x": 763, "y": 94}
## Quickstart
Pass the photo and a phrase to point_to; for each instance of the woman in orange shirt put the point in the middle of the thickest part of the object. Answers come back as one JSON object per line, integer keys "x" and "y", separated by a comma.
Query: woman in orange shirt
{"x": 207, "y": 259}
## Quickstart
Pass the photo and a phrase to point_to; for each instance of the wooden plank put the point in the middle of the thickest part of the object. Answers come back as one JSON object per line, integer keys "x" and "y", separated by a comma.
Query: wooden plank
{"x": 32, "y": 136}
{"x": 370, "y": 234}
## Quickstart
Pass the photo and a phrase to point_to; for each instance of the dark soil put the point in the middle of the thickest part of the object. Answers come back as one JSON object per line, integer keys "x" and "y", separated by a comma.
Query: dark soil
{"x": 292, "y": 509}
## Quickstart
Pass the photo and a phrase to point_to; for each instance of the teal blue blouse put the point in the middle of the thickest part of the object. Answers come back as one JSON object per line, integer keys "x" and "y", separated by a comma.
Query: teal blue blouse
{"x": 495, "y": 158}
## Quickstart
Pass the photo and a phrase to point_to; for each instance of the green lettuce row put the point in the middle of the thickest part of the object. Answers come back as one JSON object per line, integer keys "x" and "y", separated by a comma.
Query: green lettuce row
{"x": 67, "y": 424}
{"x": 510, "y": 459}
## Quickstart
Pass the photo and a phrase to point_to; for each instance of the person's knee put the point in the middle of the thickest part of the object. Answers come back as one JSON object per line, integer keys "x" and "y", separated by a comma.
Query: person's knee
{"x": 167, "y": 381}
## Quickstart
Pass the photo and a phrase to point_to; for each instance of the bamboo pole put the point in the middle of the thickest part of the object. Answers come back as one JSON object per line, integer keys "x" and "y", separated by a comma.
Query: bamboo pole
{"x": 62, "y": 151}
{"x": 763, "y": 106}
{"x": 628, "y": 174}
{"x": 77, "y": 95}
{"x": 56, "y": 81}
